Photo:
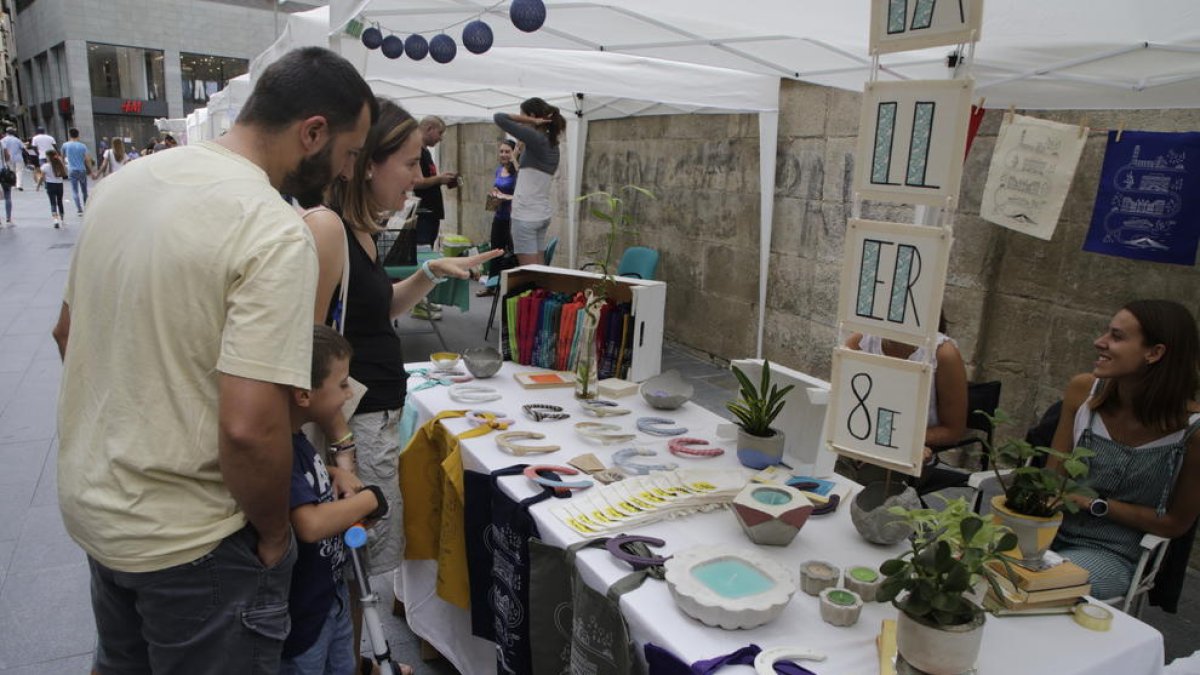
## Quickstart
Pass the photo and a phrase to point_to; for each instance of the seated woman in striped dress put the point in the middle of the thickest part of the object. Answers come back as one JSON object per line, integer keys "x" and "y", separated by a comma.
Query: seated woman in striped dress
{"x": 1136, "y": 411}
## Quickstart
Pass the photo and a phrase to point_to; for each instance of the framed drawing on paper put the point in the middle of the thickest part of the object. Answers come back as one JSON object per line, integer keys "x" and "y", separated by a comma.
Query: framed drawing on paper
{"x": 911, "y": 139}
{"x": 899, "y": 25}
{"x": 893, "y": 279}
{"x": 877, "y": 410}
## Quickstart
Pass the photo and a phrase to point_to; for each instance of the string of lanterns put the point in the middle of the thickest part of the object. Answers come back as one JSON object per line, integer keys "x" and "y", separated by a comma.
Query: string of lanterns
{"x": 477, "y": 37}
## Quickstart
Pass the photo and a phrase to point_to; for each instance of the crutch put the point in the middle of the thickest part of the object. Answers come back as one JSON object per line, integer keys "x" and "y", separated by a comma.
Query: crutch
{"x": 356, "y": 538}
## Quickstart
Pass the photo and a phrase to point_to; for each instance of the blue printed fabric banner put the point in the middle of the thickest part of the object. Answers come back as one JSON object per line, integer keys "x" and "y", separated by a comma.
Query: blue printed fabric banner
{"x": 1148, "y": 201}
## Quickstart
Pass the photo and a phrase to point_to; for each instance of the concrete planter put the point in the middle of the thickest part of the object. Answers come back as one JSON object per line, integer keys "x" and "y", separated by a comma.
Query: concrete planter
{"x": 759, "y": 452}
{"x": 869, "y": 511}
{"x": 771, "y": 514}
{"x": 1034, "y": 535}
{"x": 948, "y": 650}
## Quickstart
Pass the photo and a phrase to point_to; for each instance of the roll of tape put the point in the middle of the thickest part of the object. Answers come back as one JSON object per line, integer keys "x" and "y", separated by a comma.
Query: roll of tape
{"x": 1093, "y": 617}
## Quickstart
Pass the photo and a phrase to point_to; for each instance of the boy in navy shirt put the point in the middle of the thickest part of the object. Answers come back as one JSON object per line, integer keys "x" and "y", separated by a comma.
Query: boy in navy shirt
{"x": 321, "y": 637}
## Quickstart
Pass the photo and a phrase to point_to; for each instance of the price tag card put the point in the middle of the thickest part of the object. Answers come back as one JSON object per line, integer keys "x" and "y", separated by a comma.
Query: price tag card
{"x": 911, "y": 140}
{"x": 878, "y": 407}
{"x": 893, "y": 279}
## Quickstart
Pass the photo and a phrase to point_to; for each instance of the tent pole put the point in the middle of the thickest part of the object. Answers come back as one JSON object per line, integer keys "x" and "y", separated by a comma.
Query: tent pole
{"x": 768, "y": 137}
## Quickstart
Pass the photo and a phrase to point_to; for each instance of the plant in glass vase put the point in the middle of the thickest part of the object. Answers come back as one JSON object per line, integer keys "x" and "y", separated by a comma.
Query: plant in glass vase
{"x": 1035, "y": 497}
{"x": 612, "y": 209}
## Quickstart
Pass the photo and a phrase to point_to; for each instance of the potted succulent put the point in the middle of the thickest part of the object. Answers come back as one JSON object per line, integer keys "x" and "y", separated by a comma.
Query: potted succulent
{"x": 614, "y": 211}
{"x": 1034, "y": 498}
{"x": 935, "y": 582}
{"x": 759, "y": 445}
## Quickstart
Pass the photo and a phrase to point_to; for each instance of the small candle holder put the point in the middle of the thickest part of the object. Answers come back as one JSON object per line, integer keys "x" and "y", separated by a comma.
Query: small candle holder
{"x": 817, "y": 575}
{"x": 864, "y": 581}
{"x": 840, "y": 607}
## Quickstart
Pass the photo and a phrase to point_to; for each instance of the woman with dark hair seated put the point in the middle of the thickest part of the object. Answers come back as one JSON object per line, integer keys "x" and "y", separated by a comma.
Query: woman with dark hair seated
{"x": 1136, "y": 411}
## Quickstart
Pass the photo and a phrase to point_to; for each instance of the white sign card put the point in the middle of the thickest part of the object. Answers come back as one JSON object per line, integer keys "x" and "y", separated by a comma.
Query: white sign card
{"x": 911, "y": 140}
{"x": 1031, "y": 172}
{"x": 893, "y": 279}
{"x": 803, "y": 411}
{"x": 878, "y": 409}
{"x": 899, "y": 25}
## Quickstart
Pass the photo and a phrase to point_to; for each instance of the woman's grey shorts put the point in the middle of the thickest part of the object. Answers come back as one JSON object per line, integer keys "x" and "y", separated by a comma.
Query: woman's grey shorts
{"x": 529, "y": 236}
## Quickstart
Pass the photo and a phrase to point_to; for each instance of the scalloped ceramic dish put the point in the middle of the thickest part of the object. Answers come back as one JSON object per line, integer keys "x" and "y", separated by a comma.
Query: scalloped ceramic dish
{"x": 739, "y": 588}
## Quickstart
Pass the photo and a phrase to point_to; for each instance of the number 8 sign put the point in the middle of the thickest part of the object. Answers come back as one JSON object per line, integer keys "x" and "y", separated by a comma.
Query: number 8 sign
{"x": 878, "y": 409}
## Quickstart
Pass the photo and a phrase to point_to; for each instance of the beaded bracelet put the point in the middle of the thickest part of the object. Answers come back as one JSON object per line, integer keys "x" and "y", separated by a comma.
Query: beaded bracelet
{"x": 622, "y": 458}
{"x": 654, "y": 426}
{"x": 505, "y": 441}
{"x": 473, "y": 393}
{"x": 601, "y": 408}
{"x": 544, "y": 411}
{"x": 693, "y": 447}
{"x": 605, "y": 434}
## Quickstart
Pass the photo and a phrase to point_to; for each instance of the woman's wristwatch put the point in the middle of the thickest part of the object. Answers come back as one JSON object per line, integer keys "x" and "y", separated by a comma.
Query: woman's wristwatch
{"x": 1098, "y": 507}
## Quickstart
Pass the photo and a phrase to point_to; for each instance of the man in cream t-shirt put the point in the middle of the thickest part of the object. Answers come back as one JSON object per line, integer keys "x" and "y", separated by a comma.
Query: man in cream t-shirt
{"x": 187, "y": 318}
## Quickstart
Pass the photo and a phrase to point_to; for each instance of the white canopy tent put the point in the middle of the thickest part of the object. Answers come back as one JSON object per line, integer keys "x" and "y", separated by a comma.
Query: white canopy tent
{"x": 631, "y": 57}
{"x": 1037, "y": 54}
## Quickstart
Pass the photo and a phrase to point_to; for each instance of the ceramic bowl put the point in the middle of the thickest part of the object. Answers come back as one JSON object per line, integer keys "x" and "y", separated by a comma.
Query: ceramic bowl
{"x": 483, "y": 362}
{"x": 445, "y": 360}
{"x": 667, "y": 391}
{"x": 729, "y": 587}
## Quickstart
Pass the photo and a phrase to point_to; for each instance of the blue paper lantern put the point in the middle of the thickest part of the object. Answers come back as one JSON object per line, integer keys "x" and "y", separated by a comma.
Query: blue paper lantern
{"x": 443, "y": 48}
{"x": 477, "y": 37}
{"x": 372, "y": 38}
{"x": 527, "y": 15}
{"x": 393, "y": 47}
{"x": 416, "y": 47}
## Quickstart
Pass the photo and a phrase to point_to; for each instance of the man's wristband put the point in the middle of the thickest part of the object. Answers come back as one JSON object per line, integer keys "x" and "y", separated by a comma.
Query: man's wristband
{"x": 432, "y": 277}
{"x": 349, "y": 447}
{"x": 382, "y": 508}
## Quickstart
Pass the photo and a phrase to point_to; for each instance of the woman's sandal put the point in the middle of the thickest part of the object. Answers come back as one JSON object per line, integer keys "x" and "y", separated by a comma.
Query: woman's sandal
{"x": 485, "y": 293}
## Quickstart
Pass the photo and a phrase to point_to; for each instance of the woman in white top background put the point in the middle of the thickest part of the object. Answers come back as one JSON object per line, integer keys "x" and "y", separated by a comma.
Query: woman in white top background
{"x": 114, "y": 158}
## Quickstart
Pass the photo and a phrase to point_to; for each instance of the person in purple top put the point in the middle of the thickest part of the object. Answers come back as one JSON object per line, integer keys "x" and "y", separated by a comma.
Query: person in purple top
{"x": 500, "y": 199}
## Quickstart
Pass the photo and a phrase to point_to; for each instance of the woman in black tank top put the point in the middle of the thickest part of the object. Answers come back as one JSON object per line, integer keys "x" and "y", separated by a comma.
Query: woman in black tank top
{"x": 344, "y": 232}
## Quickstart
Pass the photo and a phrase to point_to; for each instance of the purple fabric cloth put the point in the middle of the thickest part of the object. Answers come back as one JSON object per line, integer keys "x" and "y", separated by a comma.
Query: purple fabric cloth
{"x": 663, "y": 662}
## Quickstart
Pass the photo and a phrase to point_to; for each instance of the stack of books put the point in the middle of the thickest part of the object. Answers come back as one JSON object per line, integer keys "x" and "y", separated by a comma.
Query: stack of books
{"x": 1031, "y": 591}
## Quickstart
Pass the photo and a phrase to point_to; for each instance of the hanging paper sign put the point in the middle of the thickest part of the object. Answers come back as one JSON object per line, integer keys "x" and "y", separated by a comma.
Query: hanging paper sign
{"x": 1148, "y": 201}
{"x": 877, "y": 409}
{"x": 899, "y": 25}
{"x": 1031, "y": 171}
{"x": 911, "y": 139}
{"x": 893, "y": 279}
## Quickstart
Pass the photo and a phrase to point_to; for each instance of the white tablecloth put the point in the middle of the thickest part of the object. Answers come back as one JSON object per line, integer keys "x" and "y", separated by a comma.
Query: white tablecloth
{"x": 1026, "y": 645}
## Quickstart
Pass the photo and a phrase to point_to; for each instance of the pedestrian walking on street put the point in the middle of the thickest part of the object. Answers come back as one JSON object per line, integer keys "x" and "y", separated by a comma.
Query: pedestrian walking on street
{"x": 79, "y": 166}
{"x": 14, "y": 157}
{"x": 54, "y": 171}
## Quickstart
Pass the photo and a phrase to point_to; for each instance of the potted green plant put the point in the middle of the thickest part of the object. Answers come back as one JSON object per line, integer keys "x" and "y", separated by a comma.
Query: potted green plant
{"x": 933, "y": 584}
{"x": 759, "y": 444}
{"x": 613, "y": 209}
{"x": 1034, "y": 498}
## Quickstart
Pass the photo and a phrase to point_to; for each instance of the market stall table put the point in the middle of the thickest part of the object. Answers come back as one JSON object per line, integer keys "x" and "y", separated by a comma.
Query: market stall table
{"x": 1038, "y": 644}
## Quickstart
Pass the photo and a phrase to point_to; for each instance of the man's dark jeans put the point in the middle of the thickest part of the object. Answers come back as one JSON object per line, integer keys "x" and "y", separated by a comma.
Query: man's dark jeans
{"x": 221, "y": 613}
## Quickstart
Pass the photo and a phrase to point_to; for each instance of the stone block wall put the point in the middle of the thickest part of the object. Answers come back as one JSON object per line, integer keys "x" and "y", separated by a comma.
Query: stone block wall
{"x": 1023, "y": 311}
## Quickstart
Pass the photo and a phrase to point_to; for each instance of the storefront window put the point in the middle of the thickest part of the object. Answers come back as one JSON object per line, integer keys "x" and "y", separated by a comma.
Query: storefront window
{"x": 126, "y": 72}
{"x": 205, "y": 75}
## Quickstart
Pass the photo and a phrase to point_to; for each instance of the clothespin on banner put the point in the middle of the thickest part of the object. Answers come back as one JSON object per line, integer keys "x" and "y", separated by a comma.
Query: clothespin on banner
{"x": 1008, "y": 116}
{"x": 1120, "y": 130}
{"x": 1083, "y": 126}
